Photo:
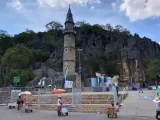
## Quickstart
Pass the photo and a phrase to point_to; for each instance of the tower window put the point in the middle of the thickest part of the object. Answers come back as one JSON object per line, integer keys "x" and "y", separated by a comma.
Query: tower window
{"x": 66, "y": 37}
{"x": 66, "y": 50}
{"x": 66, "y": 69}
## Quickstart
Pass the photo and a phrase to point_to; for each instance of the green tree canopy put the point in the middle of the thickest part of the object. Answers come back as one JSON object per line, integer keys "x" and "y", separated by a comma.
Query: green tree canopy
{"x": 25, "y": 76}
{"x": 5, "y": 41}
{"x": 24, "y": 37}
{"x": 54, "y": 25}
{"x": 153, "y": 68}
{"x": 40, "y": 55}
{"x": 17, "y": 57}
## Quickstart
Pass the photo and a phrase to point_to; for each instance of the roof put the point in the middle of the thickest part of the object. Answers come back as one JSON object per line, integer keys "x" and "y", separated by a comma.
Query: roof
{"x": 69, "y": 17}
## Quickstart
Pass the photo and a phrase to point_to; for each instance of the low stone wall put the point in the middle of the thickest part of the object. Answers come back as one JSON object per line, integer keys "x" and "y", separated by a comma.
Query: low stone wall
{"x": 83, "y": 108}
{"x": 87, "y": 98}
{"x": 3, "y": 96}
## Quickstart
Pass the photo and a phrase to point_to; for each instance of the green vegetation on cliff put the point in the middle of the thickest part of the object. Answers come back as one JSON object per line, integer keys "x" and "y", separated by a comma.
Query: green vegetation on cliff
{"x": 102, "y": 46}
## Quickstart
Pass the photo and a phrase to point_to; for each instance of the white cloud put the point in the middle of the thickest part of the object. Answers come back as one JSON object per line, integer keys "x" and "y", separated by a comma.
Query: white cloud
{"x": 140, "y": 9}
{"x": 63, "y": 3}
{"x": 16, "y": 4}
{"x": 113, "y": 4}
{"x": 92, "y": 7}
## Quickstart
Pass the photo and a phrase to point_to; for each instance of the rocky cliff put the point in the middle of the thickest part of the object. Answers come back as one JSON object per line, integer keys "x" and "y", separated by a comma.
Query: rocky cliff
{"x": 107, "y": 51}
{"x": 130, "y": 52}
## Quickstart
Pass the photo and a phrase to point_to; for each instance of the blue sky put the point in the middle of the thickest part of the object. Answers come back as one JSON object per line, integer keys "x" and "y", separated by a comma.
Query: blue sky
{"x": 140, "y": 16}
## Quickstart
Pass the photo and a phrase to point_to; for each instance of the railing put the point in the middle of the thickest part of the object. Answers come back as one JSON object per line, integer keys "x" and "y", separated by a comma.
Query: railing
{"x": 16, "y": 88}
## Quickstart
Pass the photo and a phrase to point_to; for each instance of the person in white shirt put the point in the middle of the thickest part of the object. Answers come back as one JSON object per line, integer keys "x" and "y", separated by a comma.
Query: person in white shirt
{"x": 157, "y": 101}
{"x": 59, "y": 104}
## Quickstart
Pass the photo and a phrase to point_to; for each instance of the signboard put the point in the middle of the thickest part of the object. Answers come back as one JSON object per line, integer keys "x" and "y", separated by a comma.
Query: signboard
{"x": 68, "y": 84}
{"x": 16, "y": 79}
{"x": 14, "y": 95}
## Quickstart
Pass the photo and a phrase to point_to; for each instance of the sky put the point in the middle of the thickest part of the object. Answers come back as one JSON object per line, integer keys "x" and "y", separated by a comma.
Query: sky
{"x": 138, "y": 16}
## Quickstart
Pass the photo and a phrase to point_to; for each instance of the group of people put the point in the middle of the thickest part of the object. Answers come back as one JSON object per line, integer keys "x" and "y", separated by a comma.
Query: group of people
{"x": 20, "y": 102}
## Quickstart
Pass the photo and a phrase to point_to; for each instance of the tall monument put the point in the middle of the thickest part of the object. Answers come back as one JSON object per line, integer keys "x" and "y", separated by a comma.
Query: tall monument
{"x": 69, "y": 60}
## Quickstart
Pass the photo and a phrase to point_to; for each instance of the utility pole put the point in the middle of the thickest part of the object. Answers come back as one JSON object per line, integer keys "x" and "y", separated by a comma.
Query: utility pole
{"x": 79, "y": 68}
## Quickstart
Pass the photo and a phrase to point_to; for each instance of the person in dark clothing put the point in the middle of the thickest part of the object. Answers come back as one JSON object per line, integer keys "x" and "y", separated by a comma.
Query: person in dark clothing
{"x": 140, "y": 88}
{"x": 19, "y": 103}
{"x": 117, "y": 89}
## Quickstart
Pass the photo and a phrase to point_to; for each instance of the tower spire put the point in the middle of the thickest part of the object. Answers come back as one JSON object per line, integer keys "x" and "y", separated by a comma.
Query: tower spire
{"x": 69, "y": 10}
{"x": 69, "y": 17}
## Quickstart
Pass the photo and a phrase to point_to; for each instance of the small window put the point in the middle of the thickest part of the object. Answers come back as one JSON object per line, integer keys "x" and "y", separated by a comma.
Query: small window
{"x": 66, "y": 50}
{"x": 66, "y": 37}
{"x": 66, "y": 69}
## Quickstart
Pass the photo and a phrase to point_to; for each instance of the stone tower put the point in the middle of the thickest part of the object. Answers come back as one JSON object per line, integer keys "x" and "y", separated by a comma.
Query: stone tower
{"x": 69, "y": 60}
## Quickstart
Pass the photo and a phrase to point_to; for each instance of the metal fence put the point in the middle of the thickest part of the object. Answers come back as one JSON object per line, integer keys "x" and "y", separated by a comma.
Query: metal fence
{"x": 43, "y": 98}
{"x": 76, "y": 96}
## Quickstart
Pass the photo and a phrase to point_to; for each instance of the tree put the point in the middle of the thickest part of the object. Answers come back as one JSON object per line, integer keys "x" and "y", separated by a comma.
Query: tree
{"x": 80, "y": 23}
{"x": 98, "y": 29}
{"x": 54, "y": 25}
{"x": 86, "y": 27}
{"x": 3, "y": 33}
{"x": 25, "y": 76}
{"x": 126, "y": 31}
{"x": 24, "y": 37}
{"x": 136, "y": 35}
{"x": 153, "y": 68}
{"x": 18, "y": 57}
{"x": 108, "y": 27}
{"x": 5, "y": 41}
{"x": 40, "y": 55}
{"x": 119, "y": 28}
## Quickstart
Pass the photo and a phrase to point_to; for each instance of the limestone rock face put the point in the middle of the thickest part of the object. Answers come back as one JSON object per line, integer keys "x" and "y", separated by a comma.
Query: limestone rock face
{"x": 129, "y": 50}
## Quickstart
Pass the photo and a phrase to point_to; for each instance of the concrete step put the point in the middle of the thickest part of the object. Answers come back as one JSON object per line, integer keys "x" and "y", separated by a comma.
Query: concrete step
{"x": 71, "y": 108}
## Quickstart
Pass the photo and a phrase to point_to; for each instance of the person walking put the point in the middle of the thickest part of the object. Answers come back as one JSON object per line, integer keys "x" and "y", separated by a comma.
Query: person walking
{"x": 140, "y": 87}
{"x": 157, "y": 101}
{"x": 22, "y": 101}
{"x": 59, "y": 104}
{"x": 117, "y": 89}
{"x": 19, "y": 103}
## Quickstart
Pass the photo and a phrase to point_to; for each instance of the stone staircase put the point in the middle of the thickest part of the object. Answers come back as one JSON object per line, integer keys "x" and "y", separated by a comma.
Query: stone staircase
{"x": 87, "y": 98}
{"x": 91, "y": 102}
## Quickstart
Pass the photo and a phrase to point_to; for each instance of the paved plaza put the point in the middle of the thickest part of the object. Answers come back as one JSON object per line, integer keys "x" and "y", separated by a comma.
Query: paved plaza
{"x": 137, "y": 106}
